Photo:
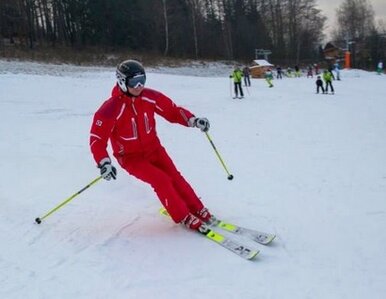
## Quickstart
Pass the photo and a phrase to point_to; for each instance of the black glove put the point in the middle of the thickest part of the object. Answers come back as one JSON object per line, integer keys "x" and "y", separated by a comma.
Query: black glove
{"x": 202, "y": 123}
{"x": 108, "y": 171}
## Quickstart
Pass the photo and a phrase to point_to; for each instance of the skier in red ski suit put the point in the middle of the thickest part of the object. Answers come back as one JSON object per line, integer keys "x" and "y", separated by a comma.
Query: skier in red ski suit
{"x": 127, "y": 120}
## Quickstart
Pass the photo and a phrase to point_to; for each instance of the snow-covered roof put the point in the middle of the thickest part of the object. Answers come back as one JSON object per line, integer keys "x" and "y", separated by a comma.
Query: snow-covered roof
{"x": 262, "y": 62}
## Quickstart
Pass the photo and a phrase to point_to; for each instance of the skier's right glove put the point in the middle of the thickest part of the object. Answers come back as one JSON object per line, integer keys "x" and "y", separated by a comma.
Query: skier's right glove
{"x": 108, "y": 171}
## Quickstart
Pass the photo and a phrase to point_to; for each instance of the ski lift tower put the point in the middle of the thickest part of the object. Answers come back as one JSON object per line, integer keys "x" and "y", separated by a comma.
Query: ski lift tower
{"x": 262, "y": 53}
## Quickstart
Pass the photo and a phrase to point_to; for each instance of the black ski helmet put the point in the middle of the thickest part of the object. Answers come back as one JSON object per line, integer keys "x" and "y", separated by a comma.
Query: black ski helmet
{"x": 129, "y": 69}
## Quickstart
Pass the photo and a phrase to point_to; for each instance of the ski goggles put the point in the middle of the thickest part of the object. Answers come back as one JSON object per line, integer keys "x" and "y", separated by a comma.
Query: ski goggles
{"x": 136, "y": 81}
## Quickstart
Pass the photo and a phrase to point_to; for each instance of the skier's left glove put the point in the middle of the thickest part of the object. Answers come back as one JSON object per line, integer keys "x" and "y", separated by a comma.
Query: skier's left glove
{"x": 200, "y": 122}
{"x": 108, "y": 171}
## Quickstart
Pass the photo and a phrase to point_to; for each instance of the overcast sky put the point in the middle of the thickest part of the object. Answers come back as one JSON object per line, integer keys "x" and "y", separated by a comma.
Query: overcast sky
{"x": 329, "y": 7}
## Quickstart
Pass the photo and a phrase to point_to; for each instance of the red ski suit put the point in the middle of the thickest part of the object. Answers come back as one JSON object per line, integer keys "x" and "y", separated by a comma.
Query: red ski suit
{"x": 130, "y": 125}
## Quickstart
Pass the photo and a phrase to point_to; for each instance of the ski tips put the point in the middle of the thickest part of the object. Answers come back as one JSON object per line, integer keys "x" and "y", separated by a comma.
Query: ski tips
{"x": 268, "y": 240}
{"x": 273, "y": 238}
{"x": 253, "y": 255}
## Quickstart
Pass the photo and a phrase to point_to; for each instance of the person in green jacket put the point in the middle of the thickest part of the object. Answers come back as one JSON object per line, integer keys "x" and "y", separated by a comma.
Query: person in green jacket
{"x": 327, "y": 78}
{"x": 237, "y": 76}
{"x": 269, "y": 77}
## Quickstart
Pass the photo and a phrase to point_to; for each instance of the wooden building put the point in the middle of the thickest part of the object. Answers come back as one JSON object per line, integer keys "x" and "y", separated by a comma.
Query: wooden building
{"x": 332, "y": 53}
{"x": 259, "y": 67}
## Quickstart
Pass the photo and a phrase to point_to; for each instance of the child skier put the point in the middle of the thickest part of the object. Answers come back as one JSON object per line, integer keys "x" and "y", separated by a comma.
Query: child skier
{"x": 237, "y": 75}
{"x": 319, "y": 84}
{"x": 127, "y": 120}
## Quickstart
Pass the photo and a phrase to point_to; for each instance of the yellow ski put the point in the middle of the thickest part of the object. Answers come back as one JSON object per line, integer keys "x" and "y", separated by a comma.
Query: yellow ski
{"x": 226, "y": 242}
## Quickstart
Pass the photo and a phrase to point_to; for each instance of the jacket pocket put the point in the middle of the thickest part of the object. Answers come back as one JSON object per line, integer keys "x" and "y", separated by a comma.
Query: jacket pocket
{"x": 147, "y": 123}
{"x": 135, "y": 132}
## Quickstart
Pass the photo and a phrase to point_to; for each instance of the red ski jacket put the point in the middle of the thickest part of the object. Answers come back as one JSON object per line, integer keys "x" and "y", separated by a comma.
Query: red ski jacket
{"x": 129, "y": 123}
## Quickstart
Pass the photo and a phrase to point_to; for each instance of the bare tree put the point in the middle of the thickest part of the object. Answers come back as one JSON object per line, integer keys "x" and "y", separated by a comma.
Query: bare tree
{"x": 355, "y": 20}
{"x": 166, "y": 28}
{"x": 194, "y": 6}
{"x": 295, "y": 27}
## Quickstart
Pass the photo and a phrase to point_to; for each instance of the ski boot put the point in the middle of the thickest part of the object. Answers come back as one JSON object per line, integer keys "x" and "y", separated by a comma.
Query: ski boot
{"x": 206, "y": 216}
{"x": 195, "y": 223}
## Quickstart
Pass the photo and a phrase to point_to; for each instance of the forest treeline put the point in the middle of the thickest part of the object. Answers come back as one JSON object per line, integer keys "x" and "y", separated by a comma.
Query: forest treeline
{"x": 198, "y": 29}
{"x": 221, "y": 29}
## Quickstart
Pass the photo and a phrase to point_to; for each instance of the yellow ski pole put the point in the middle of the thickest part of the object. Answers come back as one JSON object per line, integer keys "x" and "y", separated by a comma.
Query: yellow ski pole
{"x": 39, "y": 219}
{"x": 230, "y": 176}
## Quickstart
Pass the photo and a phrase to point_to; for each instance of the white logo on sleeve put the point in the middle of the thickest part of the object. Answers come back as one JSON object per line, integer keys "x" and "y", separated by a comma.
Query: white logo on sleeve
{"x": 99, "y": 123}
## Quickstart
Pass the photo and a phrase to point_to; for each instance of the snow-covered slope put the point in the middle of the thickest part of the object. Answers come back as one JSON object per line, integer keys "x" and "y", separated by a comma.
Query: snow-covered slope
{"x": 309, "y": 168}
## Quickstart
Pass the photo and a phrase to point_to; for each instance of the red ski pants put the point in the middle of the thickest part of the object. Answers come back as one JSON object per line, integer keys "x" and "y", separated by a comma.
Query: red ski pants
{"x": 158, "y": 170}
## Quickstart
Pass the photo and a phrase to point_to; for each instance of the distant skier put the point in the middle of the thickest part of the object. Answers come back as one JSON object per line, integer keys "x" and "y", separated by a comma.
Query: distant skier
{"x": 269, "y": 77}
{"x": 380, "y": 68}
{"x": 330, "y": 70}
{"x": 297, "y": 71}
{"x": 319, "y": 84}
{"x": 247, "y": 76}
{"x": 289, "y": 72}
{"x": 309, "y": 72}
{"x": 279, "y": 72}
{"x": 127, "y": 119}
{"x": 237, "y": 76}
{"x": 317, "y": 69}
{"x": 327, "y": 77}
{"x": 337, "y": 70}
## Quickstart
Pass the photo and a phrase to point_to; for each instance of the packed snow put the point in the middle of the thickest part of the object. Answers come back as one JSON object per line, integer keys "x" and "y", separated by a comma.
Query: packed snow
{"x": 307, "y": 167}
